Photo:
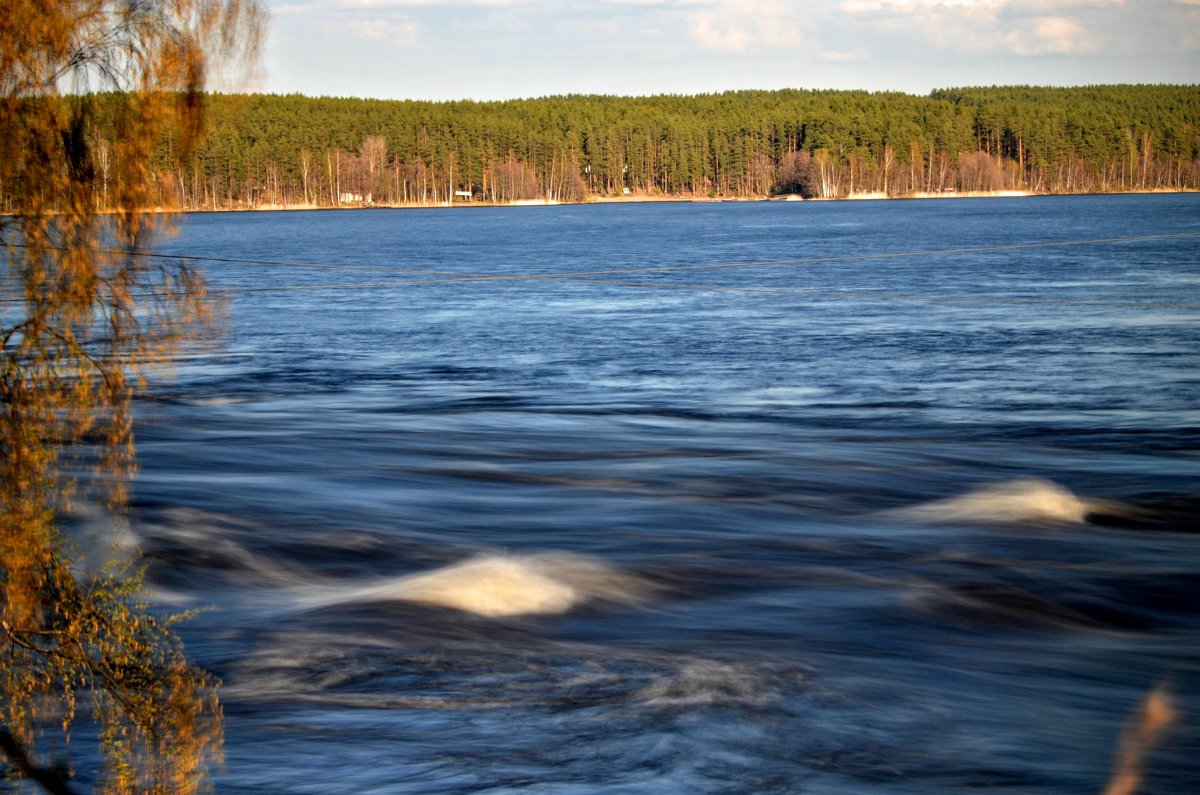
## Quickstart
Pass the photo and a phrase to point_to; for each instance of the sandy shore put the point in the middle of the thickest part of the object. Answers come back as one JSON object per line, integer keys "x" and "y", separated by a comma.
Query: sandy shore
{"x": 644, "y": 198}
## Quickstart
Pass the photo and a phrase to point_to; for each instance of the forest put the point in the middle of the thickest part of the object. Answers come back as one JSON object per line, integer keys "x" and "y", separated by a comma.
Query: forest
{"x": 296, "y": 151}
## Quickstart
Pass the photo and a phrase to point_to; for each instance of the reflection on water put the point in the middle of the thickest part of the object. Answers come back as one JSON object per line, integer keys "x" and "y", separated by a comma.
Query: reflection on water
{"x": 578, "y": 538}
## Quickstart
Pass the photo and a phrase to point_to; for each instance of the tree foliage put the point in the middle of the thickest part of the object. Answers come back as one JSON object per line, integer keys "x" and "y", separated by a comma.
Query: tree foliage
{"x": 80, "y": 312}
{"x": 748, "y": 143}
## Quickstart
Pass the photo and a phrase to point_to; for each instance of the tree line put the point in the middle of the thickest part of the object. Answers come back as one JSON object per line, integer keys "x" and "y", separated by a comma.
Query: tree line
{"x": 272, "y": 150}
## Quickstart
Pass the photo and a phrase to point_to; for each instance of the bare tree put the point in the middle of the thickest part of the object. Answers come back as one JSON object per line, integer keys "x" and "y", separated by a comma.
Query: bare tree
{"x": 887, "y": 160}
{"x": 795, "y": 175}
{"x": 374, "y": 155}
{"x": 306, "y": 170}
{"x": 512, "y": 181}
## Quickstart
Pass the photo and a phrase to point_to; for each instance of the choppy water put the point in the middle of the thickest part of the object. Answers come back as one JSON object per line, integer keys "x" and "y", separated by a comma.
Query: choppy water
{"x": 844, "y": 523}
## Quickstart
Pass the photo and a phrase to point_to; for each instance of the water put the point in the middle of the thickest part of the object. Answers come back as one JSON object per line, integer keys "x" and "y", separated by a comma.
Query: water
{"x": 853, "y": 522}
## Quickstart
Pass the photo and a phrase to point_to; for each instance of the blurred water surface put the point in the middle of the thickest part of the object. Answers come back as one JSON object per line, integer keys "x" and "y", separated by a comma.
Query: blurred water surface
{"x": 899, "y": 501}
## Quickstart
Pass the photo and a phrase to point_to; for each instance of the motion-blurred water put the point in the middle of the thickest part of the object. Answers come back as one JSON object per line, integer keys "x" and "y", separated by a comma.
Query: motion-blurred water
{"x": 899, "y": 503}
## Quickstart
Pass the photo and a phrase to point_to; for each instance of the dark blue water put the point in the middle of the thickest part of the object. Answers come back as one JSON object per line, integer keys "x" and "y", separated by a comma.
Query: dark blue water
{"x": 895, "y": 500}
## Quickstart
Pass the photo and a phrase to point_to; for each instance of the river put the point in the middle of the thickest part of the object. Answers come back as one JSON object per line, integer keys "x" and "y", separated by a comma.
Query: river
{"x": 819, "y": 497}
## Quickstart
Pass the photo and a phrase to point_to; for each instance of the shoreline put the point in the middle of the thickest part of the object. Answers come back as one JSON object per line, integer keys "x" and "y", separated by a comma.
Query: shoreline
{"x": 672, "y": 199}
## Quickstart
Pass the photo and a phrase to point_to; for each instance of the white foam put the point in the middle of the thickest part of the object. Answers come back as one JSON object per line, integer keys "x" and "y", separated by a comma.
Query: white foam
{"x": 708, "y": 683}
{"x": 506, "y": 585}
{"x": 98, "y": 539}
{"x": 1019, "y": 500}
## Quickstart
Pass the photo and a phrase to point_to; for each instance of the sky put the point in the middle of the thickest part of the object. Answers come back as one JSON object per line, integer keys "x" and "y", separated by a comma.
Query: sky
{"x": 504, "y": 49}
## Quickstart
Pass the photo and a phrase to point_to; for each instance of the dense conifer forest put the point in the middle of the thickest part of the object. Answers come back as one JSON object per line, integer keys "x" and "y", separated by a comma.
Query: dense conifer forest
{"x": 269, "y": 150}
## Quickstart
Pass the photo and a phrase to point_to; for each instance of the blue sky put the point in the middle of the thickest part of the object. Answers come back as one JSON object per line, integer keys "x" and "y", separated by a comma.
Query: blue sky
{"x": 499, "y": 49}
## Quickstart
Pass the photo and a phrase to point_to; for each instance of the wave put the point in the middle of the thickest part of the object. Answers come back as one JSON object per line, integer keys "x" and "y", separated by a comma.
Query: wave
{"x": 711, "y": 683}
{"x": 1019, "y": 500}
{"x": 497, "y": 586}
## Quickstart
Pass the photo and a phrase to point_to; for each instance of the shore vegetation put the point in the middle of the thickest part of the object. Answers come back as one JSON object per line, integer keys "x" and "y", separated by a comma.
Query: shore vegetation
{"x": 266, "y": 151}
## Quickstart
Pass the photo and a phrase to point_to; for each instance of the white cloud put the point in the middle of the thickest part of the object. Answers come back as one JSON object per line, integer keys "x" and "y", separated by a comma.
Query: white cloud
{"x": 847, "y": 56}
{"x": 1189, "y": 28}
{"x": 1022, "y": 27}
{"x": 1050, "y": 35}
{"x": 909, "y": 6}
{"x": 745, "y": 26}
{"x": 533, "y": 47}
{"x": 714, "y": 34}
{"x": 399, "y": 30}
{"x": 374, "y": 20}
{"x": 916, "y": 6}
{"x": 658, "y": 3}
{"x": 310, "y": 7}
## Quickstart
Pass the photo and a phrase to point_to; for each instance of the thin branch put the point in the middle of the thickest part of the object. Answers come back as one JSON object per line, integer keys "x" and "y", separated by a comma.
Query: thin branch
{"x": 52, "y": 781}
